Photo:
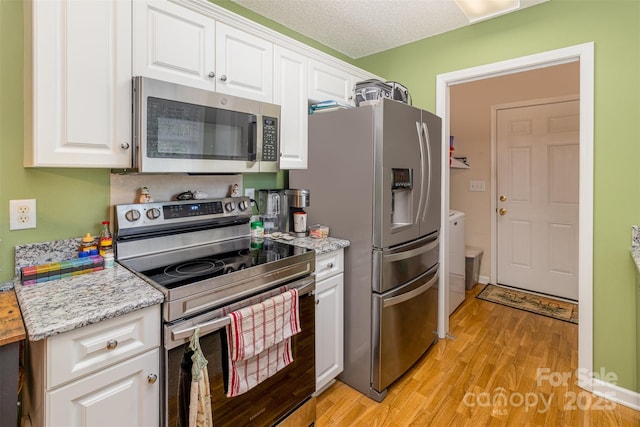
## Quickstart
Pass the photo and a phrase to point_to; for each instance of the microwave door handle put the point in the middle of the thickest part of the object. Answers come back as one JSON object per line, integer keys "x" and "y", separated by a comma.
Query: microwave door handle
{"x": 428, "y": 164}
{"x": 253, "y": 139}
{"x": 421, "y": 145}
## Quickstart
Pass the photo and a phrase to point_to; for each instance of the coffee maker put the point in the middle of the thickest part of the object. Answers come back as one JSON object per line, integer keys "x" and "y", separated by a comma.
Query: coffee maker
{"x": 273, "y": 210}
{"x": 297, "y": 199}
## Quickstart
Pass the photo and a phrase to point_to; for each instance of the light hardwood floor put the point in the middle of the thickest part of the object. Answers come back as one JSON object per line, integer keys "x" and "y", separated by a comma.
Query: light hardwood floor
{"x": 506, "y": 367}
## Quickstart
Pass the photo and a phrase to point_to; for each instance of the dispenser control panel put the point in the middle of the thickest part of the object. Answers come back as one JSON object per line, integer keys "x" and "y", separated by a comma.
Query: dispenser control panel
{"x": 402, "y": 179}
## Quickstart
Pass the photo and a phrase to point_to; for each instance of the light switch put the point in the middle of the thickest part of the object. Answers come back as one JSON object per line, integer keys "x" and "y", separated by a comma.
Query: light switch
{"x": 476, "y": 186}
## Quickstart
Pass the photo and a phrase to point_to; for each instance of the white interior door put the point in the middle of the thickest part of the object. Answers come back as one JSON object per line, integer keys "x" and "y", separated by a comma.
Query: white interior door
{"x": 538, "y": 197}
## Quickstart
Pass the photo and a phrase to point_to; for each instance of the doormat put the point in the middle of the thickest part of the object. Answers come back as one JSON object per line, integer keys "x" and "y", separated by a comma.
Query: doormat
{"x": 537, "y": 304}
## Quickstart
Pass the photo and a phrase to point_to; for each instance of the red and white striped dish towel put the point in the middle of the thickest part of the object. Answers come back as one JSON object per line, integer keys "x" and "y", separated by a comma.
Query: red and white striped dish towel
{"x": 259, "y": 341}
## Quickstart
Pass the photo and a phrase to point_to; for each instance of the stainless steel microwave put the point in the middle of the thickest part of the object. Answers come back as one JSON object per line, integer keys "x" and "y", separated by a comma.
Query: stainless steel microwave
{"x": 182, "y": 129}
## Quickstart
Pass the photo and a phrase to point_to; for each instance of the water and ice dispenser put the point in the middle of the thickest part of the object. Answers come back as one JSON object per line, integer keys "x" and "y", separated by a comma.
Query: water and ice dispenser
{"x": 401, "y": 196}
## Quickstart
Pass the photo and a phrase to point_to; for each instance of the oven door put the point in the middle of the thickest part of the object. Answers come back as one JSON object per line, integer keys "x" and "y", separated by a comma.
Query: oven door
{"x": 265, "y": 404}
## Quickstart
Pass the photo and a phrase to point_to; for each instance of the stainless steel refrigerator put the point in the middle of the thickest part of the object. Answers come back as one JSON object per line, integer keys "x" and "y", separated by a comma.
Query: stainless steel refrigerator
{"x": 374, "y": 174}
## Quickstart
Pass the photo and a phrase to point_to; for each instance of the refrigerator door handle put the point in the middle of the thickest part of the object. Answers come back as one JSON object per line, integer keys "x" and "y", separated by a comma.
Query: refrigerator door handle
{"x": 412, "y": 294}
{"x": 421, "y": 208}
{"x": 412, "y": 253}
{"x": 425, "y": 132}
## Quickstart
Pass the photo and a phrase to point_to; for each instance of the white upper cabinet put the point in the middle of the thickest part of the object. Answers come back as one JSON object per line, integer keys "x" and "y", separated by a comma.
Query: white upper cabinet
{"x": 174, "y": 44}
{"x": 80, "y": 57}
{"x": 329, "y": 83}
{"x": 77, "y": 83}
{"x": 179, "y": 45}
{"x": 290, "y": 92}
{"x": 244, "y": 64}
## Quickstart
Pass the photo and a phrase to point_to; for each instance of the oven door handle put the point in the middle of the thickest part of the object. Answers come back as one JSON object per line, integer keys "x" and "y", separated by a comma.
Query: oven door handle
{"x": 304, "y": 286}
{"x": 205, "y": 328}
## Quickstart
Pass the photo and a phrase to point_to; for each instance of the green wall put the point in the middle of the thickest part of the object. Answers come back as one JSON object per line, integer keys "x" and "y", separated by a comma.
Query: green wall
{"x": 70, "y": 202}
{"x": 74, "y": 201}
{"x": 614, "y": 27}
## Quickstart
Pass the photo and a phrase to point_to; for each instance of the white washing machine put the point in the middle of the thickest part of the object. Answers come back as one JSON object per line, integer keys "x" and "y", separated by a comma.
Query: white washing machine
{"x": 456, "y": 260}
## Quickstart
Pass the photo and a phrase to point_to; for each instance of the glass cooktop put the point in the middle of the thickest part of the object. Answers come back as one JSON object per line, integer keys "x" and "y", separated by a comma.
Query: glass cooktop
{"x": 206, "y": 266}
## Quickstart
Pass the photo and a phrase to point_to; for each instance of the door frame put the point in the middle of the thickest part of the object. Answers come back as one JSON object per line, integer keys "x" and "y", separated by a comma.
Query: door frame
{"x": 494, "y": 168}
{"x": 584, "y": 53}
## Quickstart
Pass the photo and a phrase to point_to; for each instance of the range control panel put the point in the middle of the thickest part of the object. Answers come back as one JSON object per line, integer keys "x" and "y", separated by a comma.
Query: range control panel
{"x": 177, "y": 213}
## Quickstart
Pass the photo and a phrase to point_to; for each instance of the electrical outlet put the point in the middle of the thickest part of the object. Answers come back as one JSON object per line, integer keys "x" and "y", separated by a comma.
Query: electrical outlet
{"x": 476, "y": 186}
{"x": 250, "y": 193}
{"x": 22, "y": 214}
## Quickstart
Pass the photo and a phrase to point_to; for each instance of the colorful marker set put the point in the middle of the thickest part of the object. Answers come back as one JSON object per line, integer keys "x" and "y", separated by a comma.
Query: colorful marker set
{"x": 58, "y": 270}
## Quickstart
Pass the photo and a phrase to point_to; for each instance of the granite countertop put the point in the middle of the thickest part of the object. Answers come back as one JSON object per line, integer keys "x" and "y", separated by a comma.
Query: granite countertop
{"x": 11, "y": 326}
{"x": 54, "y": 307}
{"x": 321, "y": 246}
{"x": 50, "y": 308}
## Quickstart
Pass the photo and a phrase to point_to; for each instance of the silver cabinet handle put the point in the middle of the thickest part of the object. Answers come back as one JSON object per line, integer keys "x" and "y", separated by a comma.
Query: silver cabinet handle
{"x": 112, "y": 344}
{"x": 152, "y": 378}
{"x": 223, "y": 78}
{"x": 330, "y": 265}
{"x": 211, "y": 74}
{"x": 124, "y": 145}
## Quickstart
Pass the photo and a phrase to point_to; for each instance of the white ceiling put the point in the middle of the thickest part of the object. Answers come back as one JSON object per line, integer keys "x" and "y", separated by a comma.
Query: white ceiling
{"x": 359, "y": 28}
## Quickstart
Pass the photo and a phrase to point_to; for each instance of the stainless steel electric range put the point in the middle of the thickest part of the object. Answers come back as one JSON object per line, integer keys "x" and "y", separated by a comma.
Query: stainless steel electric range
{"x": 200, "y": 254}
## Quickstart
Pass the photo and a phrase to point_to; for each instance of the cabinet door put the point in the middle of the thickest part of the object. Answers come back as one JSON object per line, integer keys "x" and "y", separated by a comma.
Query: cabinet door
{"x": 244, "y": 63}
{"x": 329, "y": 83}
{"x": 329, "y": 330}
{"x": 174, "y": 44}
{"x": 127, "y": 394}
{"x": 78, "y": 83}
{"x": 290, "y": 91}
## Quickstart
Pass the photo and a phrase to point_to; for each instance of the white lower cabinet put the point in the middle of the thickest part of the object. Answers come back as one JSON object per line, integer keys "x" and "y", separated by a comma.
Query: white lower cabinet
{"x": 329, "y": 318}
{"x": 105, "y": 374}
{"x": 126, "y": 394}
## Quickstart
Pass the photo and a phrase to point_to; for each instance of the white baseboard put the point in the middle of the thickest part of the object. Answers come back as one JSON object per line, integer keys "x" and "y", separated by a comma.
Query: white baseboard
{"x": 483, "y": 279}
{"x": 616, "y": 394}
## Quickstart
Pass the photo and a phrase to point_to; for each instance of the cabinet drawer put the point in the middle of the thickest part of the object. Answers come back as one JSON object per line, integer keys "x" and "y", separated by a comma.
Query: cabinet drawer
{"x": 329, "y": 264}
{"x": 88, "y": 349}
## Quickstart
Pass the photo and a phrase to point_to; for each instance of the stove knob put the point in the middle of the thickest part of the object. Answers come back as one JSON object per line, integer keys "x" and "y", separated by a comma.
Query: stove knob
{"x": 132, "y": 215}
{"x": 243, "y": 205}
{"x": 153, "y": 213}
{"x": 230, "y": 206}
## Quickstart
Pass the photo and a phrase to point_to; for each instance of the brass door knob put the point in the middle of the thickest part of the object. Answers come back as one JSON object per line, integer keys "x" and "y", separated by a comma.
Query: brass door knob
{"x": 152, "y": 378}
{"x": 503, "y": 198}
{"x": 502, "y": 211}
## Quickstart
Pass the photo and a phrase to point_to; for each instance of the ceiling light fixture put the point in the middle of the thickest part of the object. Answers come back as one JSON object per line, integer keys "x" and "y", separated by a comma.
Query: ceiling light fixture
{"x": 479, "y": 10}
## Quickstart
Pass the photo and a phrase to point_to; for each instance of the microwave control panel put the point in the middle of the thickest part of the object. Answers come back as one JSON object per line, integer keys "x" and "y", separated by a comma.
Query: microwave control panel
{"x": 269, "y": 139}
